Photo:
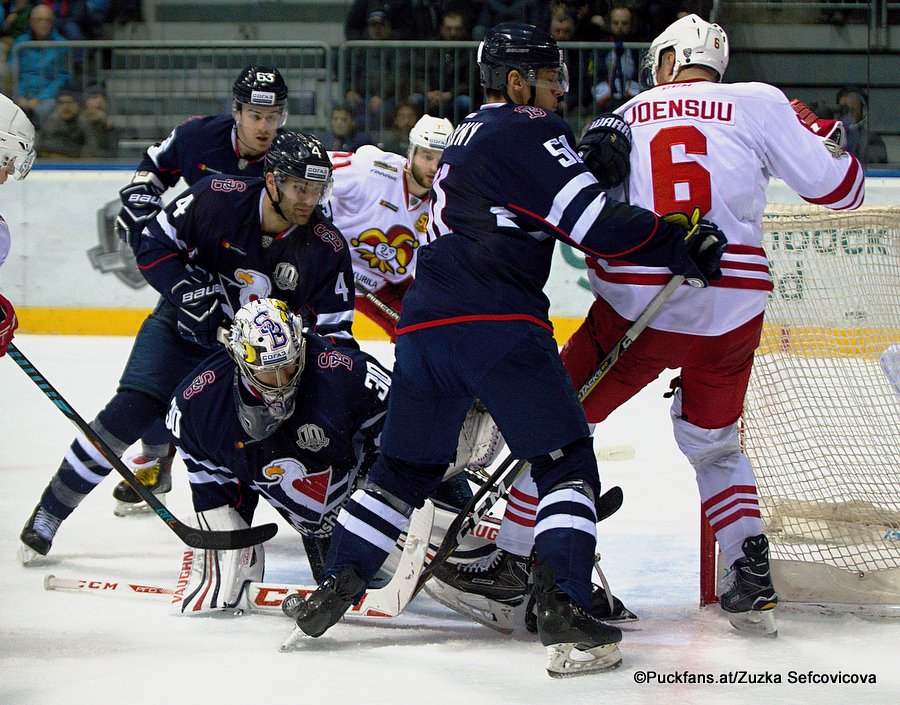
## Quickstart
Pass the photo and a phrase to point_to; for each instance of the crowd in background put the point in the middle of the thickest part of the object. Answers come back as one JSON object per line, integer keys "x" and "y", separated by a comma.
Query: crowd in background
{"x": 373, "y": 110}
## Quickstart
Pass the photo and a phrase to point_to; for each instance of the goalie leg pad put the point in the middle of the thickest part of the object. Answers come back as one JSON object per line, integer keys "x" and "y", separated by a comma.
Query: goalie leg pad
{"x": 211, "y": 581}
{"x": 480, "y": 442}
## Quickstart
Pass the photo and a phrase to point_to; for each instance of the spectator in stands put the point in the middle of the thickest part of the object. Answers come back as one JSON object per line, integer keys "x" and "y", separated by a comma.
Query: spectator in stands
{"x": 410, "y": 19}
{"x": 397, "y": 139}
{"x": 494, "y": 12}
{"x": 101, "y": 139}
{"x": 61, "y": 134}
{"x": 14, "y": 16}
{"x": 69, "y": 17}
{"x": 41, "y": 72}
{"x": 562, "y": 29}
{"x": 379, "y": 76}
{"x": 450, "y": 82}
{"x": 344, "y": 136}
{"x": 853, "y": 108}
{"x": 618, "y": 72}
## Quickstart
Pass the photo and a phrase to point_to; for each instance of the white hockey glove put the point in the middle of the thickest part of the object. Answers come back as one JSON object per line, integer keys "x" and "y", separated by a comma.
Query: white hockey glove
{"x": 605, "y": 149}
{"x": 198, "y": 297}
{"x": 829, "y": 129}
{"x": 141, "y": 201}
{"x": 480, "y": 442}
{"x": 211, "y": 581}
{"x": 705, "y": 246}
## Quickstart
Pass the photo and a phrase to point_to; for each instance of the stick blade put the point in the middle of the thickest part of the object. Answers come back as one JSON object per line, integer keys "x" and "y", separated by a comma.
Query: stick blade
{"x": 225, "y": 540}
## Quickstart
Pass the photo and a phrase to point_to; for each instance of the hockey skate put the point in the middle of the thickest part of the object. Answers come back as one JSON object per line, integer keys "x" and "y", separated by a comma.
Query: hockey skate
{"x": 324, "y": 608}
{"x": 37, "y": 535}
{"x": 487, "y": 590}
{"x": 577, "y": 643}
{"x": 604, "y": 605}
{"x": 747, "y": 593}
{"x": 153, "y": 473}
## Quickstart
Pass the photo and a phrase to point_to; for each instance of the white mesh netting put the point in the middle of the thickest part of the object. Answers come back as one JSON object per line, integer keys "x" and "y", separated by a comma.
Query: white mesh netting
{"x": 822, "y": 417}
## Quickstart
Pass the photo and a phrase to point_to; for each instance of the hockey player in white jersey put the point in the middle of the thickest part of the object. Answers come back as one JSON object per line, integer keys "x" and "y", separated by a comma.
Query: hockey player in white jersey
{"x": 16, "y": 157}
{"x": 696, "y": 141}
{"x": 380, "y": 204}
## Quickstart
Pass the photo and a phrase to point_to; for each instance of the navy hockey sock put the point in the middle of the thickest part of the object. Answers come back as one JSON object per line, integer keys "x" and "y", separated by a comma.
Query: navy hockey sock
{"x": 565, "y": 538}
{"x": 365, "y": 533}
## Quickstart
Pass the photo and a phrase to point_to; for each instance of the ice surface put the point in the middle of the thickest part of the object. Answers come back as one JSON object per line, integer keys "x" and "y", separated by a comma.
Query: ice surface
{"x": 70, "y": 649}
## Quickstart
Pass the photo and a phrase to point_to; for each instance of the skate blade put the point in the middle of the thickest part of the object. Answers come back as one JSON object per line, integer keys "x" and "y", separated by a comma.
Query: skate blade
{"x": 755, "y": 623}
{"x": 125, "y": 509}
{"x": 567, "y": 660}
{"x": 483, "y": 610}
{"x": 26, "y": 554}
{"x": 293, "y": 641}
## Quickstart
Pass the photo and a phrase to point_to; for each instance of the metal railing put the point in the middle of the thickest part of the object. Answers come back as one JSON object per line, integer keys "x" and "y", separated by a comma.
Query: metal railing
{"x": 152, "y": 86}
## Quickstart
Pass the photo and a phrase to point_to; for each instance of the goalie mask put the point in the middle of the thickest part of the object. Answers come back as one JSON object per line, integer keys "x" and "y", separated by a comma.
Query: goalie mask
{"x": 16, "y": 139}
{"x": 521, "y": 47}
{"x": 260, "y": 86}
{"x": 266, "y": 342}
{"x": 695, "y": 41}
{"x": 303, "y": 157}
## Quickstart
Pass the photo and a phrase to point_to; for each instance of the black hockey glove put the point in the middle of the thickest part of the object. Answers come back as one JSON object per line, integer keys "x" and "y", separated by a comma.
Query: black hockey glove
{"x": 605, "y": 149}
{"x": 141, "y": 202}
{"x": 199, "y": 308}
{"x": 705, "y": 247}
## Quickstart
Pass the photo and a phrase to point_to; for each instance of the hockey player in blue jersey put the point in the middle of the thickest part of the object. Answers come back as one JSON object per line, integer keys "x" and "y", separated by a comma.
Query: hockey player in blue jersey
{"x": 475, "y": 324}
{"x": 224, "y": 242}
{"x": 234, "y": 143}
{"x": 278, "y": 413}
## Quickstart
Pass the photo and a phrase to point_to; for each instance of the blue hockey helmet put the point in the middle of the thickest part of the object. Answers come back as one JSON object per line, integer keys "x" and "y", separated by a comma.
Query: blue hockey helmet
{"x": 260, "y": 85}
{"x": 522, "y": 47}
{"x": 301, "y": 156}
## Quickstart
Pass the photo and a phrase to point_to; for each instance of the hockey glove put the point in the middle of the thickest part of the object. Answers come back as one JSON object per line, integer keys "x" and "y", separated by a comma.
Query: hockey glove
{"x": 829, "y": 129}
{"x": 705, "y": 247}
{"x": 141, "y": 202}
{"x": 8, "y": 324}
{"x": 605, "y": 149}
{"x": 199, "y": 307}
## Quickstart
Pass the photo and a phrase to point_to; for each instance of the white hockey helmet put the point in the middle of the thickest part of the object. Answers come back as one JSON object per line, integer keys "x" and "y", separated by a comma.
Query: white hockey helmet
{"x": 696, "y": 43}
{"x": 16, "y": 138}
{"x": 266, "y": 342}
{"x": 430, "y": 133}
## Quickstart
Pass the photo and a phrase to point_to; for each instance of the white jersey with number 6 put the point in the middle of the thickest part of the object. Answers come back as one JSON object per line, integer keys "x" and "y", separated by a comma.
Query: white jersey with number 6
{"x": 714, "y": 146}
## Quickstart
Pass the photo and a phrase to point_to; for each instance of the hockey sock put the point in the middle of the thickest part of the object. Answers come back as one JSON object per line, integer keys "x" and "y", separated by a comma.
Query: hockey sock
{"x": 366, "y": 531}
{"x": 156, "y": 441}
{"x": 82, "y": 469}
{"x": 565, "y": 537}
{"x": 517, "y": 528}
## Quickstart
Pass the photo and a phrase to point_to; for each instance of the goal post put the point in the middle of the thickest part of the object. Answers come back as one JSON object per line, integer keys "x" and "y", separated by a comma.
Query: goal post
{"x": 821, "y": 421}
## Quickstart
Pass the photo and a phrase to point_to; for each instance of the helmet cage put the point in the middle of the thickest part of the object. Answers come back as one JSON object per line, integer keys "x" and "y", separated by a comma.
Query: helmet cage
{"x": 695, "y": 42}
{"x": 266, "y": 337}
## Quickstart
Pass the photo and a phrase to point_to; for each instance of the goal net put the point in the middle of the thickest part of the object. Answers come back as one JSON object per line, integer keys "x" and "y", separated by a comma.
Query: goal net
{"x": 821, "y": 421}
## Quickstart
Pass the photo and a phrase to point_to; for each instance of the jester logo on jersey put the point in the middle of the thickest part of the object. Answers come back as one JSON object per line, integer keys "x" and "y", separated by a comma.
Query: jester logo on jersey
{"x": 387, "y": 252}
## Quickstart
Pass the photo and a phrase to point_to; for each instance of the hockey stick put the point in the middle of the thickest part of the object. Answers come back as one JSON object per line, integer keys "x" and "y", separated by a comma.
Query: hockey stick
{"x": 196, "y": 538}
{"x": 503, "y": 477}
{"x": 266, "y": 598}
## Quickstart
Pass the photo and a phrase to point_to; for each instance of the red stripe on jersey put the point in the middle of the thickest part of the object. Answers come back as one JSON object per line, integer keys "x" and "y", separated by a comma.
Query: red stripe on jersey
{"x": 726, "y": 493}
{"x": 516, "y": 493}
{"x": 161, "y": 259}
{"x": 843, "y": 189}
{"x": 746, "y": 266}
{"x": 727, "y": 521}
{"x": 744, "y": 250}
{"x": 494, "y": 318}
{"x": 580, "y": 246}
{"x": 512, "y": 506}
{"x": 727, "y": 282}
